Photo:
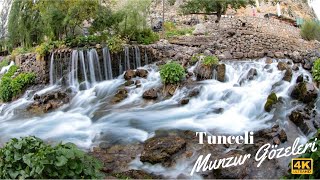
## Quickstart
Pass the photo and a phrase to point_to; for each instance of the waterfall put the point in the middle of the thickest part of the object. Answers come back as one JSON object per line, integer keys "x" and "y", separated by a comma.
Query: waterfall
{"x": 84, "y": 72}
{"x": 127, "y": 58}
{"x": 146, "y": 57}
{"x": 120, "y": 66}
{"x": 51, "y": 69}
{"x": 91, "y": 67}
{"x": 73, "y": 75}
{"x": 214, "y": 74}
{"x": 97, "y": 62}
{"x": 138, "y": 57}
{"x": 107, "y": 64}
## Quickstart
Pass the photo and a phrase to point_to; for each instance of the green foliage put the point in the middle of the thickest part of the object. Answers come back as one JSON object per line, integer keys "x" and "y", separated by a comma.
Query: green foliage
{"x": 31, "y": 158}
{"x": 45, "y": 47}
{"x": 173, "y": 31}
{"x": 316, "y": 160}
{"x": 172, "y": 73}
{"x": 195, "y": 58}
{"x": 147, "y": 36}
{"x": 18, "y": 51}
{"x": 171, "y": 2}
{"x": 310, "y": 30}
{"x": 115, "y": 43}
{"x": 11, "y": 87}
{"x": 4, "y": 62}
{"x": 213, "y": 7}
{"x": 210, "y": 60}
{"x": 316, "y": 70}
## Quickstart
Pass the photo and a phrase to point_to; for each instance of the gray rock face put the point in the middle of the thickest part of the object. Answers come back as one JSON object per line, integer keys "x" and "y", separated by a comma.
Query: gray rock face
{"x": 305, "y": 92}
{"x": 200, "y": 30}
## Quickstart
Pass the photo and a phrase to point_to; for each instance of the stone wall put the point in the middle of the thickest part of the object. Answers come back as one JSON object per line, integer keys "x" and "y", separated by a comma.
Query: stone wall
{"x": 29, "y": 63}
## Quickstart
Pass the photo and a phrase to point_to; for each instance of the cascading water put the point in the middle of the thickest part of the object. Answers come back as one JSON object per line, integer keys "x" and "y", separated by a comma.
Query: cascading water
{"x": 84, "y": 70}
{"x": 5, "y": 69}
{"x": 220, "y": 107}
{"x": 146, "y": 60}
{"x": 107, "y": 63}
{"x": 127, "y": 58}
{"x": 73, "y": 76}
{"x": 137, "y": 56}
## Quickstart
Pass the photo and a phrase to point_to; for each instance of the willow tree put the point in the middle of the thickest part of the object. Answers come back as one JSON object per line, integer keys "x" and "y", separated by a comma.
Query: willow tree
{"x": 213, "y": 7}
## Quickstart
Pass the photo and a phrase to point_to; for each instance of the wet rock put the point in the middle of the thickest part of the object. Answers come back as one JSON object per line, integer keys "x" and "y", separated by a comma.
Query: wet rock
{"x": 129, "y": 74}
{"x": 194, "y": 92}
{"x": 203, "y": 72}
{"x": 252, "y": 73}
{"x": 305, "y": 92}
{"x": 135, "y": 174}
{"x": 170, "y": 89}
{"x": 295, "y": 67}
{"x": 141, "y": 73}
{"x": 282, "y": 136}
{"x": 307, "y": 66}
{"x": 129, "y": 83}
{"x": 226, "y": 55}
{"x": 221, "y": 71}
{"x": 238, "y": 55}
{"x": 160, "y": 149}
{"x": 271, "y": 101}
{"x": 150, "y": 94}
{"x": 276, "y": 140}
{"x": 295, "y": 56}
{"x": 269, "y": 60}
{"x": 184, "y": 101}
{"x": 300, "y": 119}
{"x": 49, "y": 101}
{"x": 287, "y": 75}
{"x": 120, "y": 96}
{"x": 138, "y": 83}
{"x": 282, "y": 66}
{"x": 299, "y": 78}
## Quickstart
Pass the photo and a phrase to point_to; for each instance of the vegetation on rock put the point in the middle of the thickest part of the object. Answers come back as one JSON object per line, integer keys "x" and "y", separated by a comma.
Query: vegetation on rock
{"x": 4, "y": 62}
{"x": 316, "y": 70}
{"x": 271, "y": 100}
{"x": 30, "y": 157}
{"x": 173, "y": 31}
{"x": 11, "y": 87}
{"x": 210, "y": 60}
{"x": 172, "y": 73}
{"x": 310, "y": 30}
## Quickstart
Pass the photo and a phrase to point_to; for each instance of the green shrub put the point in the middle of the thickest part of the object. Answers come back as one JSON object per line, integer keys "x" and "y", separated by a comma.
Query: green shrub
{"x": 316, "y": 70}
{"x": 4, "y": 62}
{"x": 147, "y": 36}
{"x": 310, "y": 30}
{"x": 172, "y": 31}
{"x": 271, "y": 100}
{"x": 11, "y": 87}
{"x": 316, "y": 161}
{"x": 31, "y": 158}
{"x": 18, "y": 51}
{"x": 115, "y": 43}
{"x": 210, "y": 60}
{"x": 172, "y": 73}
{"x": 45, "y": 47}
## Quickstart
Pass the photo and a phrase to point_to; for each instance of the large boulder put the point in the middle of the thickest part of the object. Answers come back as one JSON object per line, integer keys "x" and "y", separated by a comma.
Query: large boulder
{"x": 129, "y": 74}
{"x": 49, "y": 101}
{"x": 160, "y": 149}
{"x": 221, "y": 72}
{"x": 203, "y": 72}
{"x": 287, "y": 75}
{"x": 141, "y": 73}
{"x": 199, "y": 30}
{"x": 150, "y": 94}
{"x": 282, "y": 66}
{"x": 120, "y": 96}
{"x": 305, "y": 92}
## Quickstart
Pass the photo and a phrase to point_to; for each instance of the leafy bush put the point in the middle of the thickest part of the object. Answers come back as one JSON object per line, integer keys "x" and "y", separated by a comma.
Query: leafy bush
{"x": 11, "y": 87}
{"x": 210, "y": 60}
{"x": 310, "y": 30}
{"x": 316, "y": 161}
{"x": 18, "y": 51}
{"x": 115, "y": 43}
{"x": 172, "y": 31}
{"x": 4, "y": 62}
{"x": 172, "y": 73}
{"x": 195, "y": 58}
{"x": 44, "y": 48}
{"x": 31, "y": 158}
{"x": 316, "y": 70}
{"x": 147, "y": 36}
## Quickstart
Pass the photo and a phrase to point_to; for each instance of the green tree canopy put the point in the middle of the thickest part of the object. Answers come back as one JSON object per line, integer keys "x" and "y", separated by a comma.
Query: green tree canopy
{"x": 213, "y": 7}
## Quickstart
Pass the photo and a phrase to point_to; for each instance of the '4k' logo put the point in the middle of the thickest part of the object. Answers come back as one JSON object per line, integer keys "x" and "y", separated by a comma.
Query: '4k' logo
{"x": 302, "y": 166}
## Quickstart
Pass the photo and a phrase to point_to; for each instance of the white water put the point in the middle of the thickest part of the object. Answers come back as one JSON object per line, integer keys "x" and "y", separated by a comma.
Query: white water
{"x": 6, "y": 68}
{"x": 90, "y": 119}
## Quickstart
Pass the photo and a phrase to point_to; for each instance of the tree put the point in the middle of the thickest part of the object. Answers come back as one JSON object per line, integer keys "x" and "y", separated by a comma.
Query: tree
{"x": 213, "y": 7}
